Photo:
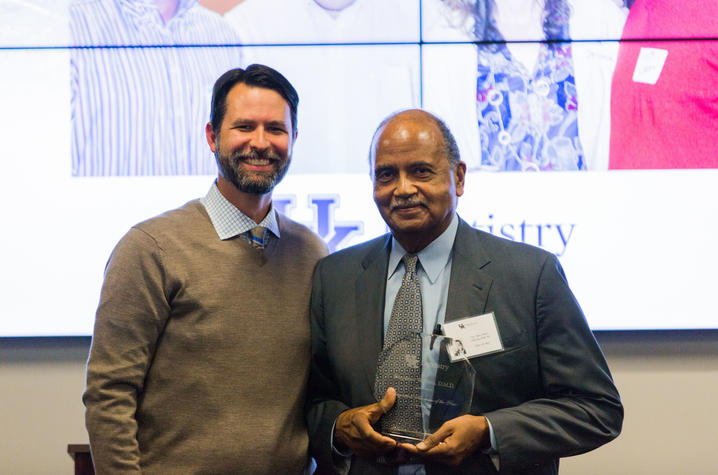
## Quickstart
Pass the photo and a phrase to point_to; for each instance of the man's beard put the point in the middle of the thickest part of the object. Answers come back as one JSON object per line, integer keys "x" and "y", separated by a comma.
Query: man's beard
{"x": 233, "y": 169}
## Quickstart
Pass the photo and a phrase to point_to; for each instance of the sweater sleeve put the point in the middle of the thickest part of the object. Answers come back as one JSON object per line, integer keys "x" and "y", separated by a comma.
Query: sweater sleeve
{"x": 133, "y": 309}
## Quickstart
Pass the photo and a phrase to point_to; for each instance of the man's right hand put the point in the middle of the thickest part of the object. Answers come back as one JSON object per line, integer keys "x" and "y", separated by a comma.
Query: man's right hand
{"x": 353, "y": 429}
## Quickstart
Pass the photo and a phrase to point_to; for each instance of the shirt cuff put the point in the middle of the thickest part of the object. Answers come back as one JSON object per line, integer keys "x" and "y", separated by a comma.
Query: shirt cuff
{"x": 491, "y": 451}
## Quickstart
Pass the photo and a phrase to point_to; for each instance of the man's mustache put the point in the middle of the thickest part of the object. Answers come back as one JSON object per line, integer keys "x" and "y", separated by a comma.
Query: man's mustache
{"x": 398, "y": 203}
{"x": 265, "y": 154}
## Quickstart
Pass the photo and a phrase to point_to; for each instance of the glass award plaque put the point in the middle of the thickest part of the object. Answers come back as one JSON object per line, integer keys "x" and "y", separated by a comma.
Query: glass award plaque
{"x": 434, "y": 383}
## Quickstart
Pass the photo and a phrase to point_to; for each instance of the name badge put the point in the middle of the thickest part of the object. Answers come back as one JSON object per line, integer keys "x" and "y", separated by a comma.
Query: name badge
{"x": 649, "y": 65}
{"x": 473, "y": 336}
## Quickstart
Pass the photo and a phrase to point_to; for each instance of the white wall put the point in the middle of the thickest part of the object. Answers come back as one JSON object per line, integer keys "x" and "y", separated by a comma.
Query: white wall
{"x": 41, "y": 381}
{"x": 668, "y": 382}
{"x": 669, "y": 386}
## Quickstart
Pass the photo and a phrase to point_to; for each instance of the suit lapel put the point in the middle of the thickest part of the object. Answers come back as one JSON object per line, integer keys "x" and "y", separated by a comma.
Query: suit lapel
{"x": 470, "y": 284}
{"x": 469, "y": 288}
{"x": 370, "y": 292}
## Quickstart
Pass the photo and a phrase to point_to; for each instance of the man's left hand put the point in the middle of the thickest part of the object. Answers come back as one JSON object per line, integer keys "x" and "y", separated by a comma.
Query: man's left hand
{"x": 455, "y": 440}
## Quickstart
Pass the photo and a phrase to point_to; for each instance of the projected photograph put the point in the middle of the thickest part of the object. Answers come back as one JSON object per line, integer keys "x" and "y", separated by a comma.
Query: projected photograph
{"x": 540, "y": 102}
{"x": 588, "y": 128}
{"x": 139, "y": 105}
{"x": 664, "y": 104}
{"x": 269, "y": 22}
{"x": 544, "y": 102}
{"x": 345, "y": 92}
{"x": 142, "y": 80}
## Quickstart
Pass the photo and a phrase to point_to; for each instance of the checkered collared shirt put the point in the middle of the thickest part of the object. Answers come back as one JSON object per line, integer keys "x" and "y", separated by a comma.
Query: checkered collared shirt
{"x": 229, "y": 222}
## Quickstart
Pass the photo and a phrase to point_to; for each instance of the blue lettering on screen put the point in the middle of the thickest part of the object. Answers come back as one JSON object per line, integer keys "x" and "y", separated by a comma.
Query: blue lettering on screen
{"x": 553, "y": 237}
{"x": 335, "y": 234}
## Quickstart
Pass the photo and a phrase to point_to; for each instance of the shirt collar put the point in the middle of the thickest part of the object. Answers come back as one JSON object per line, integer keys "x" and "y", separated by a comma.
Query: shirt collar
{"x": 228, "y": 221}
{"x": 433, "y": 258}
{"x": 146, "y": 11}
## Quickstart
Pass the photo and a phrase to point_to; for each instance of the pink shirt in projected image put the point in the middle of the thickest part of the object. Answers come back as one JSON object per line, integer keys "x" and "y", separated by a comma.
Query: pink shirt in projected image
{"x": 664, "y": 100}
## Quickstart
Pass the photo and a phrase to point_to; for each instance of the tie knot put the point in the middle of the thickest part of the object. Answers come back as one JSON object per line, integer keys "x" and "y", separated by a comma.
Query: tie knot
{"x": 257, "y": 234}
{"x": 410, "y": 261}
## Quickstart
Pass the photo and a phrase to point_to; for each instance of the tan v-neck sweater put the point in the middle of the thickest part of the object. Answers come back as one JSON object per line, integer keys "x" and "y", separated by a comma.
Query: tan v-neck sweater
{"x": 200, "y": 351}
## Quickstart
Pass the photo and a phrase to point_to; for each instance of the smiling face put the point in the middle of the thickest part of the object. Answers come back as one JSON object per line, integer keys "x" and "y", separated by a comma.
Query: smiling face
{"x": 415, "y": 186}
{"x": 253, "y": 146}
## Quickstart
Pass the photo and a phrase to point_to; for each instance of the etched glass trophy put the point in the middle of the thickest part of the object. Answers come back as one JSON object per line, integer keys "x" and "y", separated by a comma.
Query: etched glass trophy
{"x": 434, "y": 382}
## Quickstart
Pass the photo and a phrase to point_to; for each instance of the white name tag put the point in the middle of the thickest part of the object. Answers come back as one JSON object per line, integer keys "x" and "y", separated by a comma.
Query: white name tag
{"x": 473, "y": 336}
{"x": 649, "y": 65}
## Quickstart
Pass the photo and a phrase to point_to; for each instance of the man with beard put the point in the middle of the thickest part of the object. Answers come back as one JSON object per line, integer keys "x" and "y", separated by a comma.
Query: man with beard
{"x": 179, "y": 377}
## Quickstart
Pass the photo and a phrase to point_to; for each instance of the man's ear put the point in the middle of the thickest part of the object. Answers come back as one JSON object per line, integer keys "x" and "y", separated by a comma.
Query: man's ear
{"x": 293, "y": 135}
{"x": 211, "y": 137}
{"x": 459, "y": 175}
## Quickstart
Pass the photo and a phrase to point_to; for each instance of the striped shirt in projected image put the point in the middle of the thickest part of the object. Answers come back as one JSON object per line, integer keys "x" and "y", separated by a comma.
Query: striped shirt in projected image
{"x": 141, "y": 87}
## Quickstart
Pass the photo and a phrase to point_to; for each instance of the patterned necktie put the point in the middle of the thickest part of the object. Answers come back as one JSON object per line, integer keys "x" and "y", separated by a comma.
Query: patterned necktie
{"x": 401, "y": 365}
{"x": 257, "y": 237}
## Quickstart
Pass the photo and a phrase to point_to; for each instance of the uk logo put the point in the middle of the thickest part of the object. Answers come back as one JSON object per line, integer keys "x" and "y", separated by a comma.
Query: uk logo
{"x": 336, "y": 234}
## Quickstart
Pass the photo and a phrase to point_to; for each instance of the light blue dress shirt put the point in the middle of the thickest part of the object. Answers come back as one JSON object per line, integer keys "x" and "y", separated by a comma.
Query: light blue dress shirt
{"x": 434, "y": 274}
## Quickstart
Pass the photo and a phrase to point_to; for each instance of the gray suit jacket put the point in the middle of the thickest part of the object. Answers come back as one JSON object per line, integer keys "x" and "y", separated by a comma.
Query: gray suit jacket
{"x": 549, "y": 394}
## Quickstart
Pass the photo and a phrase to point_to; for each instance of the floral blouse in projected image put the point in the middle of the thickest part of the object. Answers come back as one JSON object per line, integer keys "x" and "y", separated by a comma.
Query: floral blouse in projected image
{"x": 528, "y": 122}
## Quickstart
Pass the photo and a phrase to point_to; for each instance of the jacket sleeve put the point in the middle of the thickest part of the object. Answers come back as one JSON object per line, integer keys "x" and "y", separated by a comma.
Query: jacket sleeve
{"x": 579, "y": 408}
{"x": 323, "y": 405}
{"x": 131, "y": 315}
